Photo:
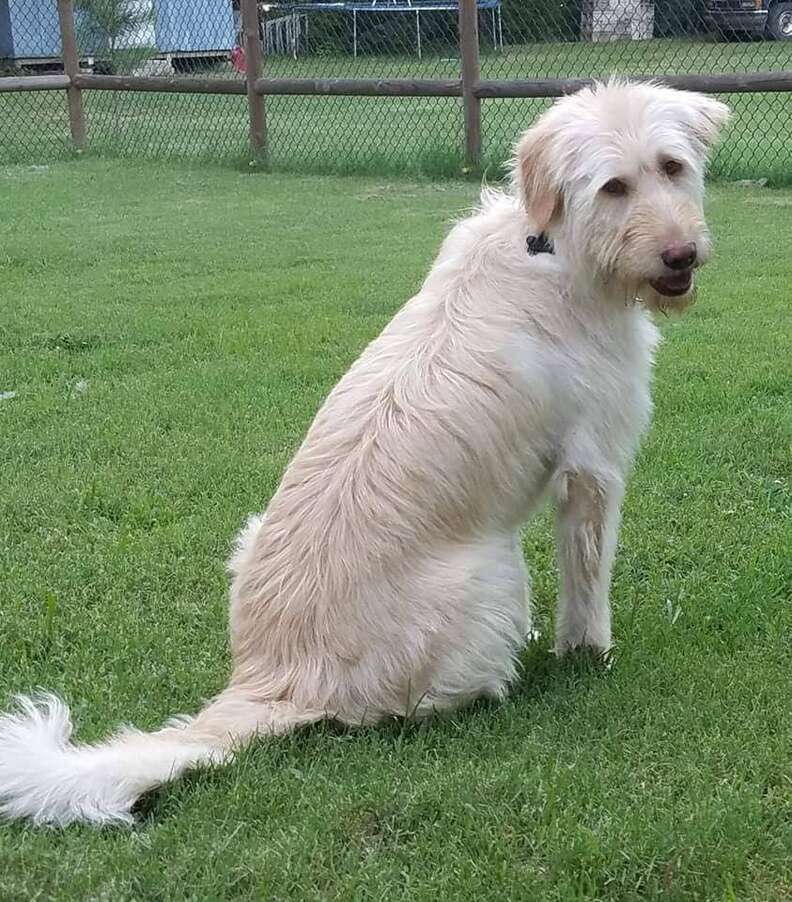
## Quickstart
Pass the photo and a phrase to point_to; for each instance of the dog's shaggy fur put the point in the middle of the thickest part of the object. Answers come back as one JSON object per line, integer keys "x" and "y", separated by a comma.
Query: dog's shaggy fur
{"x": 386, "y": 577}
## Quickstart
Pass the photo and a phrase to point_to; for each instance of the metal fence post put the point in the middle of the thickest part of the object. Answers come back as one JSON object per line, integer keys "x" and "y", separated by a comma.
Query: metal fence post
{"x": 71, "y": 68}
{"x": 469, "y": 54}
{"x": 253, "y": 66}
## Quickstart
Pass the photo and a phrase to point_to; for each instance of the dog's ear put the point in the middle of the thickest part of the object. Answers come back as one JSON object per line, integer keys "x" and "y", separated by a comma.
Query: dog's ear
{"x": 536, "y": 178}
{"x": 705, "y": 118}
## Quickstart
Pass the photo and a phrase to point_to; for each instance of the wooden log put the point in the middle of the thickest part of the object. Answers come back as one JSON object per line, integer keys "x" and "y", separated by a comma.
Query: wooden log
{"x": 361, "y": 87}
{"x": 471, "y": 71}
{"x": 15, "y": 83}
{"x": 731, "y": 83}
{"x": 253, "y": 54}
{"x": 71, "y": 67}
{"x": 160, "y": 84}
{"x": 727, "y": 83}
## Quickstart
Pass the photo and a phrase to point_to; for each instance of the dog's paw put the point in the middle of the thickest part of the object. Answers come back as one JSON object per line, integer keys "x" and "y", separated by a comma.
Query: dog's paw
{"x": 600, "y": 655}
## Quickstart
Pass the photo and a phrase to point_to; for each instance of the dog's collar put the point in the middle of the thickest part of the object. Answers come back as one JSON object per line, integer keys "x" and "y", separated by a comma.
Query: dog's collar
{"x": 539, "y": 244}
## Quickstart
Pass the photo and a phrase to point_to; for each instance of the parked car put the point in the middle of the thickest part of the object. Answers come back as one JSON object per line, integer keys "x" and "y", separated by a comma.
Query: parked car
{"x": 769, "y": 18}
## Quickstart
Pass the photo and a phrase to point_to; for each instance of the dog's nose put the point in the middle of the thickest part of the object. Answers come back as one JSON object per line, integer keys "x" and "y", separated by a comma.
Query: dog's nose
{"x": 679, "y": 255}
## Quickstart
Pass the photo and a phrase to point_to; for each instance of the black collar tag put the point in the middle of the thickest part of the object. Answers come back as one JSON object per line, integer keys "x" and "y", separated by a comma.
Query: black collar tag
{"x": 539, "y": 244}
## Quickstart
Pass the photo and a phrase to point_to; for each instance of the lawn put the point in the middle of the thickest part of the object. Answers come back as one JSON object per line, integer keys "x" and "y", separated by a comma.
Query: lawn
{"x": 169, "y": 333}
{"x": 399, "y": 135}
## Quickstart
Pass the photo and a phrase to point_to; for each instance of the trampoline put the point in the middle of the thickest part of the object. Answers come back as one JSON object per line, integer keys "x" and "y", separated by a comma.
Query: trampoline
{"x": 300, "y": 11}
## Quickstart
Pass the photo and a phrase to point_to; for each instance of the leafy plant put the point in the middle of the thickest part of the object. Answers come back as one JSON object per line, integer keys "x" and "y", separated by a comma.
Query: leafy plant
{"x": 107, "y": 25}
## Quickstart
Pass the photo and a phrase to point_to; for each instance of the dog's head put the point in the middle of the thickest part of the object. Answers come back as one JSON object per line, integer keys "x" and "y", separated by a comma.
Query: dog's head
{"x": 615, "y": 175}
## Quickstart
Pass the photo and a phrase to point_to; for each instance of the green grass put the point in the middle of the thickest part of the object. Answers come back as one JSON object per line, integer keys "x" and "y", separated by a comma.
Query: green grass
{"x": 399, "y": 135}
{"x": 205, "y": 313}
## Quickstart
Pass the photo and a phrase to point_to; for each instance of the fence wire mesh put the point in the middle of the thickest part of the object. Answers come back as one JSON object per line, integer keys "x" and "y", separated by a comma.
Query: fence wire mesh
{"x": 549, "y": 39}
{"x": 382, "y": 39}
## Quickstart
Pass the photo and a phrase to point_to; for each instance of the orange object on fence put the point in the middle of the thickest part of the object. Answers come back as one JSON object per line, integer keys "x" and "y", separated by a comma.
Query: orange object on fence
{"x": 238, "y": 60}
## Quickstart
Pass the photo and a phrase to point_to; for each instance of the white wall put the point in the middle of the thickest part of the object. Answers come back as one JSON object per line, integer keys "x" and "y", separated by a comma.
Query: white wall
{"x": 617, "y": 20}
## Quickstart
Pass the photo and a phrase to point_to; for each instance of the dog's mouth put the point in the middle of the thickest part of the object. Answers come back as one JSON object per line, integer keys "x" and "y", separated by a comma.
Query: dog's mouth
{"x": 673, "y": 286}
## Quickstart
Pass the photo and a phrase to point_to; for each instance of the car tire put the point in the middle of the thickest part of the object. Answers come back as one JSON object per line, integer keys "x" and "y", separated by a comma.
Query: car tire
{"x": 779, "y": 21}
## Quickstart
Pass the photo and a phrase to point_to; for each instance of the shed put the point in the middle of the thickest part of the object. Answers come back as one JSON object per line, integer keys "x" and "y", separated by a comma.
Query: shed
{"x": 183, "y": 26}
{"x": 29, "y": 29}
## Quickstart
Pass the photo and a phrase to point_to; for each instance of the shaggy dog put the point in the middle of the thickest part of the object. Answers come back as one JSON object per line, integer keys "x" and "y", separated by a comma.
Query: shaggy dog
{"x": 386, "y": 576}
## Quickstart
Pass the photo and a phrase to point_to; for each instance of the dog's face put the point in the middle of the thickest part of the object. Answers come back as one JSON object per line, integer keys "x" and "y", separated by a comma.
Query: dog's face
{"x": 615, "y": 174}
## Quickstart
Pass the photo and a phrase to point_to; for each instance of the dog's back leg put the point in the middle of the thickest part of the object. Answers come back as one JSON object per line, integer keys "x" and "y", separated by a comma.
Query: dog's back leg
{"x": 485, "y": 591}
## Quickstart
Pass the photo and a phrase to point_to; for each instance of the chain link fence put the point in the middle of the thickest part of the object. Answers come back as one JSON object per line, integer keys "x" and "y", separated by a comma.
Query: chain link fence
{"x": 376, "y": 39}
{"x": 549, "y": 39}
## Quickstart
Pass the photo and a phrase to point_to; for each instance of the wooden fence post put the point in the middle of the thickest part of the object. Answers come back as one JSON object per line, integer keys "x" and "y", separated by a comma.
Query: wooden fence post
{"x": 253, "y": 58}
{"x": 469, "y": 53}
{"x": 71, "y": 67}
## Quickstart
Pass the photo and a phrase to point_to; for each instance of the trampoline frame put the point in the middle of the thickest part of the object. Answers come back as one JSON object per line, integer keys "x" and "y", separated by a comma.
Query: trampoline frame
{"x": 494, "y": 7}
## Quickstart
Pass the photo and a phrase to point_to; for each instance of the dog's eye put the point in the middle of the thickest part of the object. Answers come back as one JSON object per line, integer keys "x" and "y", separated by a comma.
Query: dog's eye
{"x": 616, "y": 188}
{"x": 672, "y": 168}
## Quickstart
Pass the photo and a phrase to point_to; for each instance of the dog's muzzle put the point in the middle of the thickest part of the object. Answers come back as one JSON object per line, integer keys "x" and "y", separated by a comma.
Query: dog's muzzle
{"x": 674, "y": 286}
{"x": 679, "y": 258}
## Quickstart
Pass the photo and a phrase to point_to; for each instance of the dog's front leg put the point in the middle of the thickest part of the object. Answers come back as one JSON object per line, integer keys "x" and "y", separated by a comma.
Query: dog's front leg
{"x": 586, "y": 527}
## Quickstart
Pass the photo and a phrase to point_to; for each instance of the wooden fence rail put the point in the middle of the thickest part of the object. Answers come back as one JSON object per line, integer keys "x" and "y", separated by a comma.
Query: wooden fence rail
{"x": 16, "y": 84}
{"x": 160, "y": 84}
{"x": 361, "y": 87}
{"x": 736, "y": 83}
{"x": 469, "y": 86}
{"x": 729, "y": 83}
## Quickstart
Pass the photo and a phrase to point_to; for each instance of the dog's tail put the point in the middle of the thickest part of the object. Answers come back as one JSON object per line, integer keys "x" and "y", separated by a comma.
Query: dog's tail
{"x": 47, "y": 778}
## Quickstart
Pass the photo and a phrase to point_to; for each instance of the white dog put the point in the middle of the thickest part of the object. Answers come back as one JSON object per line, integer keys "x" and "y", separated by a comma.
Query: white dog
{"x": 386, "y": 577}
